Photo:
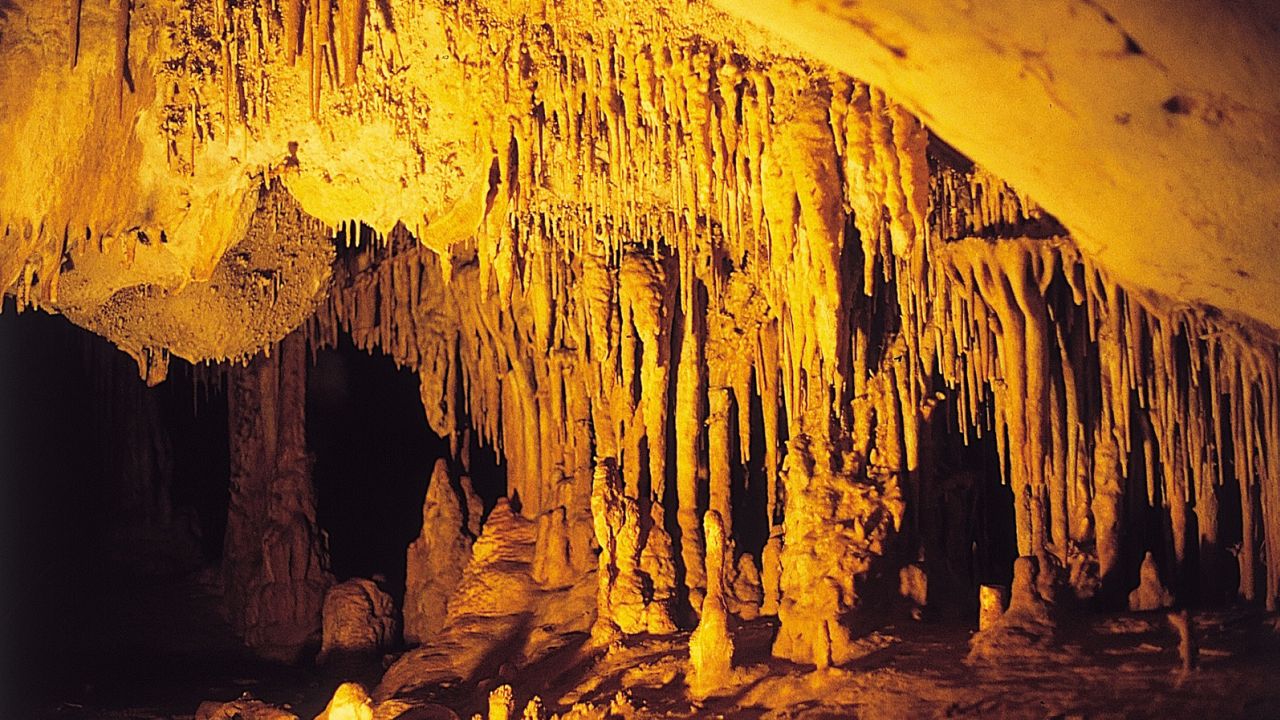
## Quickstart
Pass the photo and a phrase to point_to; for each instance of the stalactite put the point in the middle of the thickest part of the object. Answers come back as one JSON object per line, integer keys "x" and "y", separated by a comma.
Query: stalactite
{"x": 351, "y": 24}
{"x": 292, "y": 13}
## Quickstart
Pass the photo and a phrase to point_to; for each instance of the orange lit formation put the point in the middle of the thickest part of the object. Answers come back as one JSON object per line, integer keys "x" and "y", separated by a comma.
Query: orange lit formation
{"x": 728, "y": 315}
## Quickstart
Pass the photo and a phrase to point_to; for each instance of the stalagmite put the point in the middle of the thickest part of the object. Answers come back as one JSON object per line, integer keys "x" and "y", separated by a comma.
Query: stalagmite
{"x": 501, "y": 703}
{"x": 1188, "y": 648}
{"x": 747, "y": 592}
{"x": 1025, "y": 629}
{"x": 436, "y": 559}
{"x": 710, "y": 646}
{"x": 622, "y": 605}
{"x": 991, "y": 600}
{"x": 913, "y": 585}
{"x": 835, "y": 526}
{"x": 771, "y": 576}
{"x": 1150, "y": 593}
{"x": 349, "y": 702}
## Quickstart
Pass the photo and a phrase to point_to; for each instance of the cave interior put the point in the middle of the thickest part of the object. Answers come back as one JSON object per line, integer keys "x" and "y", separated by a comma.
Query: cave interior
{"x": 559, "y": 359}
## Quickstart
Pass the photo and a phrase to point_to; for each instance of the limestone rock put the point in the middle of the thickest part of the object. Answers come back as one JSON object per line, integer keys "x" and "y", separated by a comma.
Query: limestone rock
{"x": 435, "y": 561}
{"x": 991, "y": 602}
{"x": 622, "y": 605}
{"x": 1150, "y": 594}
{"x": 710, "y": 646}
{"x": 1025, "y": 599}
{"x": 275, "y": 559}
{"x": 350, "y": 702}
{"x": 746, "y": 592}
{"x": 1188, "y": 645}
{"x": 501, "y": 703}
{"x": 913, "y": 585}
{"x": 771, "y": 575}
{"x": 563, "y": 548}
{"x": 835, "y": 525}
{"x": 359, "y": 622}
{"x": 533, "y": 710}
{"x": 1024, "y": 630}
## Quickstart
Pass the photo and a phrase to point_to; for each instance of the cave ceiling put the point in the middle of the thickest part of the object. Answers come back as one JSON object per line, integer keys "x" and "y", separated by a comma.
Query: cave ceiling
{"x": 139, "y": 136}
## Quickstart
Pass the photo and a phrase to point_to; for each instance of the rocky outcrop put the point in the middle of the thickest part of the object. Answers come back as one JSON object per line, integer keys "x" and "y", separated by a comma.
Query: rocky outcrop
{"x": 359, "y": 623}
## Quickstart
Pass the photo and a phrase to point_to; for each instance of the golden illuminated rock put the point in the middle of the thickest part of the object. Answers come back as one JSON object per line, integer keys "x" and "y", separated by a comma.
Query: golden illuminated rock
{"x": 733, "y": 314}
{"x": 710, "y": 647}
{"x": 835, "y": 526}
{"x": 436, "y": 559}
{"x": 501, "y": 704}
{"x": 622, "y": 605}
{"x": 350, "y": 702}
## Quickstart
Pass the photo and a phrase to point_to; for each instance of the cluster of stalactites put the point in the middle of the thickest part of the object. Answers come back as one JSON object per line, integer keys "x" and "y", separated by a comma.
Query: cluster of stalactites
{"x": 1090, "y": 389}
{"x": 751, "y": 253}
{"x": 327, "y": 35}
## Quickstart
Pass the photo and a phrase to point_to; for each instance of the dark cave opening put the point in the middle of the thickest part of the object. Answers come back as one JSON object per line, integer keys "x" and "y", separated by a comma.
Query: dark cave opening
{"x": 114, "y": 498}
{"x": 372, "y": 453}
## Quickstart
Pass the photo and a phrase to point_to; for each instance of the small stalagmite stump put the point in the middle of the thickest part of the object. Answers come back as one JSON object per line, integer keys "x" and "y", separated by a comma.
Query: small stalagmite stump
{"x": 1150, "y": 594}
{"x": 1188, "y": 647}
{"x": 501, "y": 703}
{"x": 991, "y": 601}
{"x": 350, "y": 702}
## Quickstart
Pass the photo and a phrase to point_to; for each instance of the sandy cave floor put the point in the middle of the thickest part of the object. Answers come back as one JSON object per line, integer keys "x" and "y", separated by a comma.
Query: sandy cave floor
{"x": 163, "y": 663}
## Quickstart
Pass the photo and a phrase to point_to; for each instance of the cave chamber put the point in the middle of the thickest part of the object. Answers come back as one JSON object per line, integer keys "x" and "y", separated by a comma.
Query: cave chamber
{"x": 624, "y": 360}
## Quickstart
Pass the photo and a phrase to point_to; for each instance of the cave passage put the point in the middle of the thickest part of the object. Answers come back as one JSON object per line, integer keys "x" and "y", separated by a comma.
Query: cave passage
{"x": 373, "y": 453}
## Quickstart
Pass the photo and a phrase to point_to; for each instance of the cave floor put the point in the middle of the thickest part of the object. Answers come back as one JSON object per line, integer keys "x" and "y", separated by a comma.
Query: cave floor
{"x": 1105, "y": 666}
{"x": 171, "y": 650}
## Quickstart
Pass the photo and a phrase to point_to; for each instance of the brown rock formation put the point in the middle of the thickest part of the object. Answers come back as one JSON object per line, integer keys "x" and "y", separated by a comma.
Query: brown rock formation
{"x": 359, "y": 622}
{"x": 274, "y": 558}
{"x": 1150, "y": 594}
